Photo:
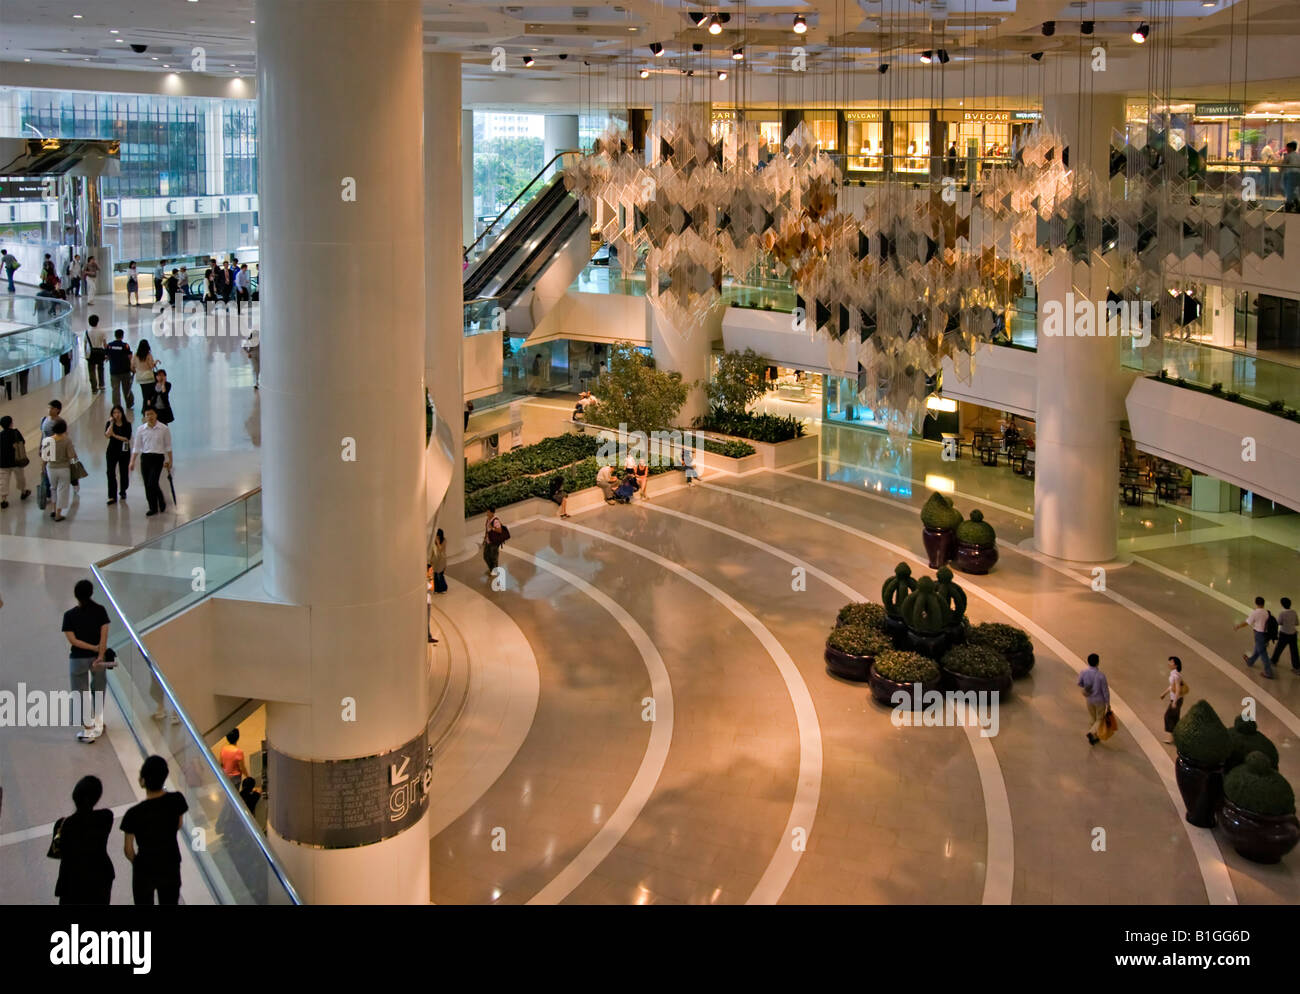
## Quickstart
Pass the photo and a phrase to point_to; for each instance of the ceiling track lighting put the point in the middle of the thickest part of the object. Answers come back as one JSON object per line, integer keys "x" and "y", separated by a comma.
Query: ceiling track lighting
{"x": 943, "y": 56}
{"x": 882, "y": 68}
{"x": 722, "y": 75}
{"x": 529, "y": 60}
{"x": 656, "y": 49}
{"x": 927, "y": 56}
{"x": 1087, "y": 27}
{"x": 645, "y": 73}
{"x": 1036, "y": 56}
{"x": 697, "y": 47}
{"x": 800, "y": 24}
{"x": 738, "y": 54}
{"x": 1049, "y": 28}
{"x": 1140, "y": 35}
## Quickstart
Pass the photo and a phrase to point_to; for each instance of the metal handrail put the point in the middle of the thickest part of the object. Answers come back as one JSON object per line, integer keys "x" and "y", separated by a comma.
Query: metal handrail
{"x": 527, "y": 186}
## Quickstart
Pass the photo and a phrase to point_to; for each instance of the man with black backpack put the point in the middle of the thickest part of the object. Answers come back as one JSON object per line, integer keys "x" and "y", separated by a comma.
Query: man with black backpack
{"x": 1260, "y": 622}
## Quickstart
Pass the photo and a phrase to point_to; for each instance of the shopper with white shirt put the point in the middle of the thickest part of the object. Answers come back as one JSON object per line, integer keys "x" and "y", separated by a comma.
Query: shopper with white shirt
{"x": 152, "y": 448}
{"x": 1286, "y": 634}
{"x": 1257, "y": 620}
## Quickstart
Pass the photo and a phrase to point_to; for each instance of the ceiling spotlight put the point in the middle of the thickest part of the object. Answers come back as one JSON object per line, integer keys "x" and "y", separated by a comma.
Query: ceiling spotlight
{"x": 738, "y": 54}
{"x": 943, "y": 56}
{"x": 715, "y": 25}
{"x": 562, "y": 56}
{"x": 1049, "y": 28}
{"x": 112, "y": 31}
{"x": 1036, "y": 56}
{"x": 800, "y": 24}
{"x": 927, "y": 56}
{"x": 697, "y": 47}
{"x": 645, "y": 73}
{"x": 722, "y": 75}
{"x": 529, "y": 60}
{"x": 1086, "y": 27}
{"x": 1140, "y": 35}
{"x": 882, "y": 68}
{"x": 656, "y": 49}
{"x": 697, "y": 17}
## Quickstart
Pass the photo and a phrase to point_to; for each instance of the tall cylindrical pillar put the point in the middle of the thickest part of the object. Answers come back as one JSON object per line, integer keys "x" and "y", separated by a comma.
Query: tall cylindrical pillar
{"x": 466, "y": 177}
{"x": 560, "y": 134}
{"x": 343, "y": 503}
{"x": 444, "y": 143}
{"x": 1080, "y": 401}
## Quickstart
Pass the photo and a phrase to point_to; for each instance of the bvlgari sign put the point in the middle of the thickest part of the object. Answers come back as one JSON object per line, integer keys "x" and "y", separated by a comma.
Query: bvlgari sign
{"x": 156, "y": 208}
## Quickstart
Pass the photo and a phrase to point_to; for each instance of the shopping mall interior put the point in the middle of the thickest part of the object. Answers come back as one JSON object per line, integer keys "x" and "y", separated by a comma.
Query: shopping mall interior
{"x": 653, "y": 453}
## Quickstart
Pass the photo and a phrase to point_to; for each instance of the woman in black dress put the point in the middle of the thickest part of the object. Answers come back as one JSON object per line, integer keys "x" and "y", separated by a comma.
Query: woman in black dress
{"x": 85, "y": 870}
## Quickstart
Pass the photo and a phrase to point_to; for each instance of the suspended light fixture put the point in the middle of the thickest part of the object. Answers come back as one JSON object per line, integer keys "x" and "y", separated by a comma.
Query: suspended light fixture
{"x": 1087, "y": 27}
{"x": 943, "y": 56}
{"x": 697, "y": 47}
{"x": 528, "y": 60}
{"x": 656, "y": 49}
{"x": 1049, "y": 28}
{"x": 927, "y": 56}
{"x": 738, "y": 54}
{"x": 800, "y": 24}
{"x": 722, "y": 75}
{"x": 1140, "y": 35}
{"x": 715, "y": 25}
{"x": 645, "y": 73}
{"x": 882, "y": 68}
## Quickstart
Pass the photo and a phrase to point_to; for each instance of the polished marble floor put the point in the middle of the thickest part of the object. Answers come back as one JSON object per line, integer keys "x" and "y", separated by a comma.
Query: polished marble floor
{"x": 660, "y": 724}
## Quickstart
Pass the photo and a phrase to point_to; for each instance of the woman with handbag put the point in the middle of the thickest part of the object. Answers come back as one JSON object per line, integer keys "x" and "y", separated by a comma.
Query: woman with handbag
{"x": 59, "y": 455}
{"x": 118, "y": 455}
{"x": 162, "y": 401}
{"x": 1176, "y": 691}
{"x": 80, "y": 844}
{"x": 143, "y": 366}
{"x": 13, "y": 457}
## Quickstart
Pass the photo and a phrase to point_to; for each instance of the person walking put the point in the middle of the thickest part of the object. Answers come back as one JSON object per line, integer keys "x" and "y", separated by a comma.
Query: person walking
{"x": 209, "y": 289}
{"x": 142, "y": 368}
{"x": 11, "y": 264}
{"x": 132, "y": 285}
{"x": 241, "y": 287}
{"x": 495, "y": 534}
{"x": 159, "y": 279}
{"x": 86, "y": 629}
{"x": 1286, "y": 630}
{"x": 11, "y": 462}
{"x": 58, "y": 454}
{"x": 172, "y": 283}
{"x": 1096, "y": 693}
{"x": 429, "y": 584}
{"x": 117, "y": 456}
{"x": 81, "y": 847}
{"x": 150, "y": 830}
{"x": 225, "y": 283}
{"x": 1176, "y": 691}
{"x": 233, "y": 762}
{"x": 96, "y": 342}
{"x": 1257, "y": 621}
{"x": 119, "y": 368}
{"x": 253, "y": 349}
{"x": 642, "y": 472}
{"x": 1290, "y": 170}
{"x": 469, "y": 409}
{"x": 75, "y": 272}
{"x": 152, "y": 448}
{"x": 90, "y": 279}
{"x": 162, "y": 400}
{"x": 439, "y": 563}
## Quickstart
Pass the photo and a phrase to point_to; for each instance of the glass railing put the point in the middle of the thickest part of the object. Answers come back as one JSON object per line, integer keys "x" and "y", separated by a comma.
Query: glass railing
{"x": 760, "y": 294}
{"x": 146, "y": 586}
{"x": 1237, "y": 376}
{"x": 482, "y": 315}
{"x": 33, "y": 330}
{"x": 597, "y": 278}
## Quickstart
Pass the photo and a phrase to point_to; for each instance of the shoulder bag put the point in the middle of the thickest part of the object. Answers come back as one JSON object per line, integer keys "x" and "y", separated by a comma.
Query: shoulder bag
{"x": 20, "y": 455}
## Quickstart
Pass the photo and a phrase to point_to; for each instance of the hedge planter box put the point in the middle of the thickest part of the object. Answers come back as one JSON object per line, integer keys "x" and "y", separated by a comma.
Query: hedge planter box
{"x": 1202, "y": 790}
{"x": 883, "y": 690}
{"x": 855, "y": 668}
{"x": 1259, "y": 838}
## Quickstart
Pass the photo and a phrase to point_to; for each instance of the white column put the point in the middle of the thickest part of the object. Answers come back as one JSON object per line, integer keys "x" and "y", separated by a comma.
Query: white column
{"x": 561, "y": 132}
{"x": 214, "y": 149}
{"x": 467, "y": 177}
{"x": 342, "y": 192}
{"x": 445, "y": 325}
{"x": 1080, "y": 401}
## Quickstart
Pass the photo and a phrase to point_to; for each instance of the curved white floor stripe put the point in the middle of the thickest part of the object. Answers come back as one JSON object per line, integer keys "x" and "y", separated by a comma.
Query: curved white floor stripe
{"x": 502, "y": 700}
{"x": 803, "y": 811}
{"x": 999, "y": 874}
{"x": 652, "y": 762}
{"x": 1214, "y": 872}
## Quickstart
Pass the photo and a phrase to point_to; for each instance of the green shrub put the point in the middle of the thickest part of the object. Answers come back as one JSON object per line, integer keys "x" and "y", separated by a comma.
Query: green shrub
{"x": 865, "y": 614}
{"x": 1276, "y": 406}
{"x": 633, "y": 392}
{"x": 938, "y": 512}
{"x": 545, "y": 456}
{"x": 924, "y": 610}
{"x": 1247, "y": 738}
{"x": 731, "y": 449}
{"x": 1006, "y": 640}
{"x": 1232, "y": 395}
{"x": 1257, "y": 787}
{"x": 741, "y": 379}
{"x": 953, "y": 597}
{"x": 1201, "y": 737}
{"x": 906, "y": 667}
{"x": 896, "y": 589}
{"x": 976, "y": 531}
{"x": 756, "y": 427}
{"x": 858, "y": 640}
{"x": 976, "y": 661}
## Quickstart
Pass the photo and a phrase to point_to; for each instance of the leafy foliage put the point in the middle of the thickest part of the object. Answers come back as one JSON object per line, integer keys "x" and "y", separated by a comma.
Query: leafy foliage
{"x": 1006, "y": 640}
{"x": 578, "y": 476}
{"x": 730, "y": 449}
{"x": 938, "y": 512}
{"x": 976, "y": 531}
{"x": 906, "y": 667}
{"x": 1257, "y": 787}
{"x": 1247, "y": 738}
{"x": 865, "y": 614}
{"x": 541, "y": 457}
{"x": 859, "y": 640}
{"x": 976, "y": 661}
{"x": 768, "y": 428}
{"x": 632, "y": 392}
{"x": 739, "y": 381}
{"x": 1201, "y": 737}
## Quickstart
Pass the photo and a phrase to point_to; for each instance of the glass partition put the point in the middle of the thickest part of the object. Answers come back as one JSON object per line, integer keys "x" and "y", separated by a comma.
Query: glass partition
{"x": 33, "y": 330}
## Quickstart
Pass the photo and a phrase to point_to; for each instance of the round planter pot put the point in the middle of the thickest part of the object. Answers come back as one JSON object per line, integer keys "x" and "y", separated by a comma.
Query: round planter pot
{"x": 896, "y": 629}
{"x": 1259, "y": 838}
{"x": 883, "y": 690}
{"x": 958, "y": 681}
{"x": 976, "y": 559}
{"x": 1202, "y": 790}
{"x": 956, "y": 634}
{"x": 856, "y": 668}
{"x": 1021, "y": 663}
{"x": 932, "y": 645}
{"x": 939, "y": 544}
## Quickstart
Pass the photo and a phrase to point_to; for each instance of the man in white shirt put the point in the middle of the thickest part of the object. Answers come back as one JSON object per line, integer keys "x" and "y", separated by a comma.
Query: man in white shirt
{"x": 605, "y": 480}
{"x": 152, "y": 446}
{"x": 241, "y": 286}
{"x": 96, "y": 343}
{"x": 1257, "y": 620}
{"x": 1287, "y": 621}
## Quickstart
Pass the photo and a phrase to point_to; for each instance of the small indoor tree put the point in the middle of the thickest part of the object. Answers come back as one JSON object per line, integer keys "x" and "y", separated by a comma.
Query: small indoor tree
{"x": 632, "y": 392}
{"x": 740, "y": 380}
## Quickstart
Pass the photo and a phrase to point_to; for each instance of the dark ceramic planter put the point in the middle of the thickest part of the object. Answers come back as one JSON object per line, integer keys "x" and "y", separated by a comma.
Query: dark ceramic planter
{"x": 1021, "y": 663}
{"x": 1259, "y": 838}
{"x": 1202, "y": 790}
{"x": 939, "y": 544}
{"x": 976, "y": 559}
{"x": 883, "y": 690}
{"x": 856, "y": 668}
{"x": 958, "y": 681}
{"x": 896, "y": 629}
{"x": 926, "y": 644}
{"x": 956, "y": 634}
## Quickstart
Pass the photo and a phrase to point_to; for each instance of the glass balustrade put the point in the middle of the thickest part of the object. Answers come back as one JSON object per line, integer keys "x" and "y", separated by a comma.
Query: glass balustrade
{"x": 33, "y": 330}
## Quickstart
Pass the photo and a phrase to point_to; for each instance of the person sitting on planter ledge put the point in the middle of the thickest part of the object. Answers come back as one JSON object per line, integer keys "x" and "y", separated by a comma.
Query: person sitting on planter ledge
{"x": 627, "y": 488}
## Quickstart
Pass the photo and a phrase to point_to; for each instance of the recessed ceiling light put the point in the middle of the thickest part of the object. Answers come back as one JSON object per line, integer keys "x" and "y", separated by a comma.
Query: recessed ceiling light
{"x": 120, "y": 41}
{"x": 154, "y": 57}
{"x": 27, "y": 60}
{"x": 76, "y": 17}
{"x": 112, "y": 31}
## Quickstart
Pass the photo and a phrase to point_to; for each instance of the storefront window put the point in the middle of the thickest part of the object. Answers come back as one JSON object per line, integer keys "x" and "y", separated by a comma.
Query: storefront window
{"x": 865, "y": 149}
{"x": 911, "y": 131}
{"x": 825, "y": 128}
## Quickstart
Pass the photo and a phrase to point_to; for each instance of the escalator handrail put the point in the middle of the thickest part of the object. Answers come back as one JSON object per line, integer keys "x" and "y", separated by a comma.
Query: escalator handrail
{"x": 527, "y": 186}
{"x": 520, "y": 230}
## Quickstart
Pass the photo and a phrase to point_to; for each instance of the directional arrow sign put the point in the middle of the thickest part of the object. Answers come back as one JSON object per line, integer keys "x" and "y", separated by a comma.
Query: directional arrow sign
{"x": 395, "y": 775}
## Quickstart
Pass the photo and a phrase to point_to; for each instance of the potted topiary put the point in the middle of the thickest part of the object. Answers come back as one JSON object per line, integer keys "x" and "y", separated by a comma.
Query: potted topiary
{"x": 1258, "y": 810}
{"x": 897, "y": 670}
{"x": 866, "y": 614}
{"x": 893, "y": 593}
{"x": 954, "y": 602}
{"x": 977, "y": 545}
{"x": 851, "y": 649}
{"x": 1246, "y": 738}
{"x": 1009, "y": 642}
{"x": 926, "y": 618}
{"x": 1203, "y": 747}
{"x": 973, "y": 667}
{"x": 939, "y": 535}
